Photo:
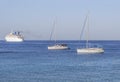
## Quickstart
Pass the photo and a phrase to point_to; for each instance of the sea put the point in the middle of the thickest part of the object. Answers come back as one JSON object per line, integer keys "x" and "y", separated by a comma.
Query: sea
{"x": 31, "y": 61}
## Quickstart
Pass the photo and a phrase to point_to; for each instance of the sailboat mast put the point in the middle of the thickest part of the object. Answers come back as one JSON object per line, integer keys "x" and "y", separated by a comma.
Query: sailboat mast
{"x": 55, "y": 29}
{"x": 87, "y": 33}
{"x": 51, "y": 34}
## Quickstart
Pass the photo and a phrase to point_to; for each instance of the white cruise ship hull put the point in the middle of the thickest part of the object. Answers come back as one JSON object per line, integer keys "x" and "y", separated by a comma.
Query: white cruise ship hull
{"x": 14, "y": 39}
{"x": 90, "y": 50}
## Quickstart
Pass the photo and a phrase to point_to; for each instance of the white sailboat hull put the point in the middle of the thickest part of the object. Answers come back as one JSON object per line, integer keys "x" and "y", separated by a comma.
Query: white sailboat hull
{"x": 90, "y": 50}
{"x": 57, "y": 47}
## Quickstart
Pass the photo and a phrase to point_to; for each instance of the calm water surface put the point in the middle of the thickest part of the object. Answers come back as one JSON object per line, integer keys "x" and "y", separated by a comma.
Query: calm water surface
{"x": 31, "y": 61}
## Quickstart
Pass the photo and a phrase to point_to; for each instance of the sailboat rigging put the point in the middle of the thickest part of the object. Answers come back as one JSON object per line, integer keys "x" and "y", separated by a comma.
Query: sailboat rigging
{"x": 56, "y": 46}
{"x": 88, "y": 49}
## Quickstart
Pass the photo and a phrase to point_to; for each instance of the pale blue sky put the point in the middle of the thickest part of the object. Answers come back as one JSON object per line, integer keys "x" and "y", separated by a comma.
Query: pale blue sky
{"x": 35, "y": 17}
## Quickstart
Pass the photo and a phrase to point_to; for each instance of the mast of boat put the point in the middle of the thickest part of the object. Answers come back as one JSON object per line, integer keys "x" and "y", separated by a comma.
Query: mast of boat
{"x": 83, "y": 28}
{"x": 87, "y": 33}
{"x": 53, "y": 31}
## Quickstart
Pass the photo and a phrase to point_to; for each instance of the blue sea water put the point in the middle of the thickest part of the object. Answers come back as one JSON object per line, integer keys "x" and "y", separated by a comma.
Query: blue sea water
{"x": 31, "y": 61}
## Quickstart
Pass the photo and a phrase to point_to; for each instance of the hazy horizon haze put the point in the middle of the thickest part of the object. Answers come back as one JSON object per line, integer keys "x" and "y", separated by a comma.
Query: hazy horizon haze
{"x": 35, "y": 18}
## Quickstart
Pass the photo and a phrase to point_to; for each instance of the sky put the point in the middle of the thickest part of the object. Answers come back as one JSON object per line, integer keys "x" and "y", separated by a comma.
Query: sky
{"x": 34, "y": 18}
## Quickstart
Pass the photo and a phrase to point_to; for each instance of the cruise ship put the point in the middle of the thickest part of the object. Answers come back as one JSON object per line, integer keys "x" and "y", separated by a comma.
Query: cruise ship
{"x": 14, "y": 37}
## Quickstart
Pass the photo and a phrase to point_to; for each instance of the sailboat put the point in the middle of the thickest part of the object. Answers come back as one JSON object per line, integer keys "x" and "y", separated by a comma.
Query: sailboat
{"x": 56, "y": 46}
{"x": 88, "y": 49}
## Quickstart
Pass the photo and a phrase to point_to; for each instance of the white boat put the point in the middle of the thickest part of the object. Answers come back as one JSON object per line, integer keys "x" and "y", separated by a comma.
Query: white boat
{"x": 88, "y": 49}
{"x": 14, "y": 37}
{"x": 57, "y": 46}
